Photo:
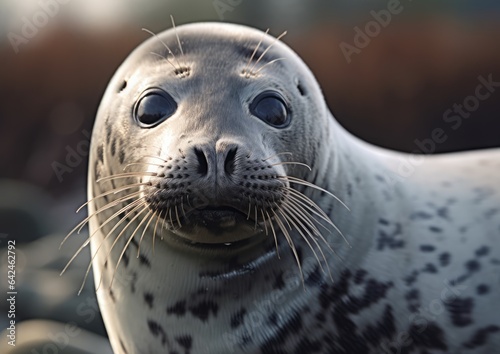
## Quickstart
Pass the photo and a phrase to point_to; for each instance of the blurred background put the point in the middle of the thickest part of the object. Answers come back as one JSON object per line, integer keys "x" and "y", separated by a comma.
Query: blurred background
{"x": 391, "y": 71}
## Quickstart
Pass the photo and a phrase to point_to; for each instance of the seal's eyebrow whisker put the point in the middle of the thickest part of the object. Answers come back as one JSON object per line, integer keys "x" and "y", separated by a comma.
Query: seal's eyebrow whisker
{"x": 176, "y": 34}
{"x": 271, "y": 62}
{"x": 163, "y": 57}
{"x": 166, "y": 46}
{"x": 267, "y": 49}
{"x": 245, "y": 70}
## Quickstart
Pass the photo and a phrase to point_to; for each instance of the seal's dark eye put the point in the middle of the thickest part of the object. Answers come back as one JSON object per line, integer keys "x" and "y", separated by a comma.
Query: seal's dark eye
{"x": 271, "y": 108}
{"x": 153, "y": 108}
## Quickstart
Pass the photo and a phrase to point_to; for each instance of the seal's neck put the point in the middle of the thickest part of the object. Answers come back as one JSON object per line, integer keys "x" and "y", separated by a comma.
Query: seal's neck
{"x": 359, "y": 175}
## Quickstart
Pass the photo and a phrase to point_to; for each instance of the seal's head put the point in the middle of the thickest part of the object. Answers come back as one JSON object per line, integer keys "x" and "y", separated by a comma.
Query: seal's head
{"x": 205, "y": 127}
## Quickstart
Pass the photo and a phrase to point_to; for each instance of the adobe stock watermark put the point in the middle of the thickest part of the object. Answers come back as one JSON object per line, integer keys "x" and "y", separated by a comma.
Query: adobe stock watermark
{"x": 74, "y": 157}
{"x": 454, "y": 117}
{"x": 39, "y": 19}
{"x": 223, "y": 6}
{"x": 363, "y": 36}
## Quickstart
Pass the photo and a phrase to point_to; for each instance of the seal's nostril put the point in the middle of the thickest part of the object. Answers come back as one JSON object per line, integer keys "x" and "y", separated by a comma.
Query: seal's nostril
{"x": 202, "y": 162}
{"x": 229, "y": 163}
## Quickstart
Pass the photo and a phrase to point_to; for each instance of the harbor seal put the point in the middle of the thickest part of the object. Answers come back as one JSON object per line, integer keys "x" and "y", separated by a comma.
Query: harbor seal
{"x": 230, "y": 213}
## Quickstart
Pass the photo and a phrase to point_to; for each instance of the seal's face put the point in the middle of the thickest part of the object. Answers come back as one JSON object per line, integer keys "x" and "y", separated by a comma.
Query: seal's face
{"x": 208, "y": 134}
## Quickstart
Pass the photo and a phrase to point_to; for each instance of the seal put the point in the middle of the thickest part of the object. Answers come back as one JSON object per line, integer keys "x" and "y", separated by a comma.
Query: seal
{"x": 230, "y": 213}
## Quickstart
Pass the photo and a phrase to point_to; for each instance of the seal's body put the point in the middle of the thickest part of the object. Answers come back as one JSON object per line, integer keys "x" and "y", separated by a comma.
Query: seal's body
{"x": 211, "y": 235}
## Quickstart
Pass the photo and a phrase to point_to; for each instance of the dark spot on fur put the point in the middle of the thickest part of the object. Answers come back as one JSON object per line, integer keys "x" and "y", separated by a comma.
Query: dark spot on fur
{"x": 144, "y": 261}
{"x": 390, "y": 239}
{"x": 482, "y": 289}
{"x": 178, "y": 309}
{"x": 435, "y": 229}
{"x": 482, "y": 251}
{"x": 430, "y": 268}
{"x": 185, "y": 341}
{"x": 109, "y": 130}
{"x": 420, "y": 215}
{"x": 413, "y": 299}
{"x": 113, "y": 147}
{"x": 157, "y": 330}
{"x": 460, "y": 311}
{"x": 473, "y": 266}
{"x": 480, "y": 337}
{"x": 279, "y": 283}
{"x": 359, "y": 276}
{"x": 148, "y": 297}
{"x": 203, "y": 310}
{"x": 384, "y": 328}
{"x": 444, "y": 259}
{"x": 432, "y": 337}
{"x": 121, "y": 156}
{"x": 412, "y": 278}
{"x": 100, "y": 153}
{"x": 237, "y": 318}
{"x": 427, "y": 248}
{"x": 383, "y": 221}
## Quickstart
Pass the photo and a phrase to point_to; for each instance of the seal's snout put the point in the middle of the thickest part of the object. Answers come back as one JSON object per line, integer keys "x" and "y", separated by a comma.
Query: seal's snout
{"x": 216, "y": 192}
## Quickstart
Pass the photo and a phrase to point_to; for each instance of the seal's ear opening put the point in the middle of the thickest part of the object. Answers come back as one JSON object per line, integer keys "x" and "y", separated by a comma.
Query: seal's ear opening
{"x": 122, "y": 86}
{"x": 301, "y": 89}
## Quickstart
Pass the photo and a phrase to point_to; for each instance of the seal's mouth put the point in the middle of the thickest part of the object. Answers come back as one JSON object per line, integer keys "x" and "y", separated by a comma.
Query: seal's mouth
{"x": 214, "y": 217}
{"x": 216, "y": 225}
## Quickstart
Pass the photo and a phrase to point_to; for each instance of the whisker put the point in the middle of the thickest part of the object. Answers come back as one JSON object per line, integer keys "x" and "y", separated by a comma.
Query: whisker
{"x": 126, "y": 175}
{"x": 177, "y": 215}
{"x": 292, "y": 163}
{"x": 271, "y": 62}
{"x": 142, "y": 164}
{"x": 320, "y": 212}
{"x": 127, "y": 243}
{"x": 303, "y": 217}
{"x": 82, "y": 223}
{"x": 176, "y": 34}
{"x": 144, "y": 231}
{"x": 305, "y": 238}
{"x": 245, "y": 70}
{"x": 274, "y": 234}
{"x": 165, "y": 58}
{"x": 264, "y": 220}
{"x": 112, "y": 191}
{"x": 114, "y": 203}
{"x": 166, "y": 46}
{"x": 278, "y": 154}
{"x": 290, "y": 243}
{"x": 99, "y": 247}
{"x": 267, "y": 49}
{"x": 154, "y": 231}
{"x": 308, "y": 184}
